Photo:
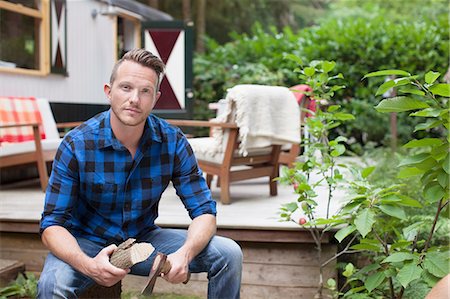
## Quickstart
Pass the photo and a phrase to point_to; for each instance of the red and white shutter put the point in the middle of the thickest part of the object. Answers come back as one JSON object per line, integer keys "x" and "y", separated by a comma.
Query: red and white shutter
{"x": 170, "y": 42}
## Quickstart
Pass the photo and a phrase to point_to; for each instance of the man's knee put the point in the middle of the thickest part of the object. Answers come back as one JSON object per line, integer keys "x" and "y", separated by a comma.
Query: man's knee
{"x": 46, "y": 285}
{"x": 231, "y": 252}
{"x": 60, "y": 280}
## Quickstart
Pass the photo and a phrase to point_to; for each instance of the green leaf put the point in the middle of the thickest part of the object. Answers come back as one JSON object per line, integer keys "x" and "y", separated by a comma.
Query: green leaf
{"x": 387, "y": 73}
{"x": 412, "y": 91}
{"x": 402, "y": 244}
{"x": 333, "y": 108}
{"x": 390, "y": 84}
{"x": 337, "y": 87}
{"x": 364, "y": 222}
{"x": 441, "y": 89}
{"x": 429, "y": 278}
{"x": 427, "y": 164}
{"x": 409, "y": 172}
{"x": 338, "y": 150}
{"x": 367, "y": 171}
{"x": 328, "y": 66}
{"x": 408, "y": 273}
{"x": 446, "y": 164}
{"x": 423, "y": 142}
{"x": 344, "y": 232}
{"x": 293, "y": 58}
{"x": 440, "y": 152}
{"x": 437, "y": 263}
{"x": 398, "y": 257}
{"x": 325, "y": 221}
{"x": 374, "y": 280}
{"x": 416, "y": 159}
{"x": 393, "y": 211}
{"x": 291, "y": 207}
{"x": 400, "y": 104}
{"x": 427, "y": 125}
{"x": 428, "y": 112}
{"x": 409, "y": 202}
{"x": 385, "y": 87}
{"x": 349, "y": 269}
{"x": 331, "y": 283}
{"x": 309, "y": 71}
{"x": 369, "y": 247}
{"x": 344, "y": 116}
{"x": 431, "y": 76}
{"x": 433, "y": 192}
{"x": 351, "y": 206}
{"x": 410, "y": 232}
{"x": 443, "y": 179}
{"x": 369, "y": 268}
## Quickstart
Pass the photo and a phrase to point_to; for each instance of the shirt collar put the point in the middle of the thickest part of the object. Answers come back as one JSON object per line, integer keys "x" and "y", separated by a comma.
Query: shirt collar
{"x": 107, "y": 138}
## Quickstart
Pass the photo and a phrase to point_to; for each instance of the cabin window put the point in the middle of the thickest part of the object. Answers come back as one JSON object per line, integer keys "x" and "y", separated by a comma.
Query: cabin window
{"x": 23, "y": 36}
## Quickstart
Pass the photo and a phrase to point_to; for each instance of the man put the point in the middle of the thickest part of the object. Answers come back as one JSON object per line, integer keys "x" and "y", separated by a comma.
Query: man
{"x": 106, "y": 183}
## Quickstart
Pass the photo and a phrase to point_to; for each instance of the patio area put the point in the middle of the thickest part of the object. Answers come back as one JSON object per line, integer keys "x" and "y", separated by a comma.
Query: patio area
{"x": 279, "y": 257}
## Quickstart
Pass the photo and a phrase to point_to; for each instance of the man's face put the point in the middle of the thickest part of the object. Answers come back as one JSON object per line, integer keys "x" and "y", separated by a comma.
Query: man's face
{"x": 132, "y": 94}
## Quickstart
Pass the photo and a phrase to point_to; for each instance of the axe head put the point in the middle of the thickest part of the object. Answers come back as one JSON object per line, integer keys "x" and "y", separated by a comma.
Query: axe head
{"x": 158, "y": 267}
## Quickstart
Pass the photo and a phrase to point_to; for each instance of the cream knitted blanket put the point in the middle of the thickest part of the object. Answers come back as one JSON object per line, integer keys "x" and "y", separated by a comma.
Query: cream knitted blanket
{"x": 265, "y": 115}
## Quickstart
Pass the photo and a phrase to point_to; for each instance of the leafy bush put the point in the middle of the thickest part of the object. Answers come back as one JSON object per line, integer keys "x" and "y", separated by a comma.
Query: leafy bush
{"x": 257, "y": 59}
{"x": 364, "y": 45}
{"x": 24, "y": 286}
{"x": 379, "y": 217}
{"x": 358, "y": 45}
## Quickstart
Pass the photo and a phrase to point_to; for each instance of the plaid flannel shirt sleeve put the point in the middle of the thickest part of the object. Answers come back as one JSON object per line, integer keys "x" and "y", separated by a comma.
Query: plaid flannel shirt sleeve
{"x": 62, "y": 188}
{"x": 189, "y": 182}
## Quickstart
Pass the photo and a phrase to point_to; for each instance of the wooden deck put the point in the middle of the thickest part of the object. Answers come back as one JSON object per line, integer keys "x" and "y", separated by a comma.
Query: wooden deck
{"x": 279, "y": 257}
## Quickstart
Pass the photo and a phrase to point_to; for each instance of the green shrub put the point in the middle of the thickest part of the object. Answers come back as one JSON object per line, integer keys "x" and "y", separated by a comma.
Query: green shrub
{"x": 358, "y": 45}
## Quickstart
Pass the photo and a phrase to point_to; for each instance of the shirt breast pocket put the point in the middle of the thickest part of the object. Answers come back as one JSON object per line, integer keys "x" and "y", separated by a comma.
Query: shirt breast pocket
{"x": 102, "y": 196}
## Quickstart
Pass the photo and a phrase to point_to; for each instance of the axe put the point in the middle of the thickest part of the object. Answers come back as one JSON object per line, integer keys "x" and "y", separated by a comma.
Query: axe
{"x": 129, "y": 253}
{"x": 160, "y": 266}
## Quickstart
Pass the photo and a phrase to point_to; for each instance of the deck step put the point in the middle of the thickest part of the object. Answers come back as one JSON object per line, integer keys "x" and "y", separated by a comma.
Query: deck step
{"x": 9, "y": 269}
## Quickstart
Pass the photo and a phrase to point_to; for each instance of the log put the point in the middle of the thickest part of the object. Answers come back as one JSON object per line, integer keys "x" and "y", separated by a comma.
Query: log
{"x": 101, "y": 292}
{"x": 130, "y": 253}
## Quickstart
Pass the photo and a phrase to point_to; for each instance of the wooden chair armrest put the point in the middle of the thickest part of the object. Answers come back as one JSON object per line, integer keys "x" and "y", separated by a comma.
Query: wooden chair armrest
{"x": 19, "y": 125}
{"x": 200, "y": 123}
{"x": 68, "y": 125}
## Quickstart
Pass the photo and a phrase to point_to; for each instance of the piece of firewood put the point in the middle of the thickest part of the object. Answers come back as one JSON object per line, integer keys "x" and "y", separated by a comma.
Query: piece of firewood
{"x": 130, "y": 253}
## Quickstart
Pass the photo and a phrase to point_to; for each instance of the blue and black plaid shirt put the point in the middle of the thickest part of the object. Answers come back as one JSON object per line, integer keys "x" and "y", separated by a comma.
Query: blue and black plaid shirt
{"x": 97, "y": 191}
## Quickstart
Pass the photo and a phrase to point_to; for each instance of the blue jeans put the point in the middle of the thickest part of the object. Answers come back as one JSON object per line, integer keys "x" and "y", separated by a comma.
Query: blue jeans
{"x": 221, "y": 259}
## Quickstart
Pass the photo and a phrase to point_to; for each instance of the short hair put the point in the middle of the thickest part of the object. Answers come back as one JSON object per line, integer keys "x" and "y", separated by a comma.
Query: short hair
{"x": 144, "y": 58}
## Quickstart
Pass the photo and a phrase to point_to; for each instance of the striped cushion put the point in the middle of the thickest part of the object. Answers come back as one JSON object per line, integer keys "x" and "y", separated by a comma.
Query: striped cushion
{"x": 19, "y": 110}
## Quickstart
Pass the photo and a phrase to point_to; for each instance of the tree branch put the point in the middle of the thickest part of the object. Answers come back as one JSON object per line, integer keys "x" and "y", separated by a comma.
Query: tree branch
{"x": 345, "y": 250}
{"x": 433, "y": 227}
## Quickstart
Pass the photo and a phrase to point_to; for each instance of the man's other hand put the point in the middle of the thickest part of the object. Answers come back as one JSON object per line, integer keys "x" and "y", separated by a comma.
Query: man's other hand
{"x": 102, "y": 271}
{"x": 180, "y": 270}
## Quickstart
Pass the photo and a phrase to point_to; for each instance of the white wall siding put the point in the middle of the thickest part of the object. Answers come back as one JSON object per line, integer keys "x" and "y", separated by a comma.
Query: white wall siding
{"x": 90, "y": 57}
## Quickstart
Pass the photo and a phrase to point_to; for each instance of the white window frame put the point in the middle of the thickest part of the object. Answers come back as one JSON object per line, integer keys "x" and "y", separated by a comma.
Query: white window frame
{"x": 132, "y": 17}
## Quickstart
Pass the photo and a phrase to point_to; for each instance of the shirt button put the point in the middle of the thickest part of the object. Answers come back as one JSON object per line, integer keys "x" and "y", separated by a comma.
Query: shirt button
{"x": 127, "y": 206}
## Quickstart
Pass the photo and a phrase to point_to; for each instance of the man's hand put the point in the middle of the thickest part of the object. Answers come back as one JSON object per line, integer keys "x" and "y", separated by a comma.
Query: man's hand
{"x": 180, "y": 267}
{"x": 102, "y": 271}
{"x": 62, "y": 244}
{"x": 199, "y": 234}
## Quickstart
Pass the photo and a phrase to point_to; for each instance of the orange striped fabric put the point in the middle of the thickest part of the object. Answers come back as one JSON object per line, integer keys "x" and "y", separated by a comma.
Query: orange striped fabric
{"x": 19, "y": 110}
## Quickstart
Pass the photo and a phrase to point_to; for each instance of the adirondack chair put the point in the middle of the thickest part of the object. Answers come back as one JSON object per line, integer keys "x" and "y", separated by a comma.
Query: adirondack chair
{"x": 247, "y": 138}
{"x": 28, "y": 133}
